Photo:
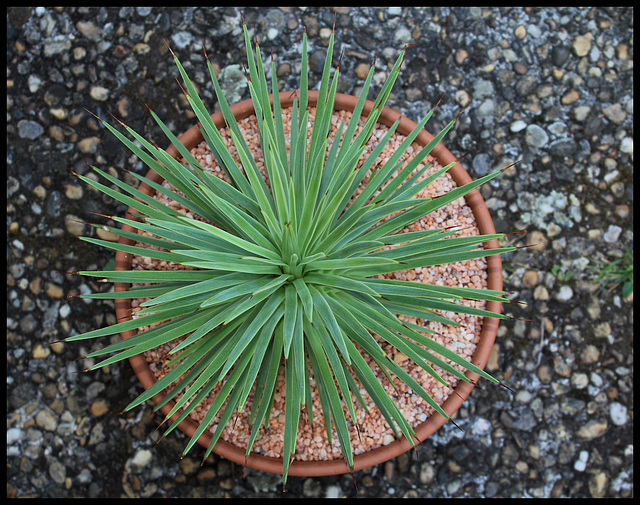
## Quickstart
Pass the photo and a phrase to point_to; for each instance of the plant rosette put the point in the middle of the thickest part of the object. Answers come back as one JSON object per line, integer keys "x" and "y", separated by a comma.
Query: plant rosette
{"x": 283, "y": 270}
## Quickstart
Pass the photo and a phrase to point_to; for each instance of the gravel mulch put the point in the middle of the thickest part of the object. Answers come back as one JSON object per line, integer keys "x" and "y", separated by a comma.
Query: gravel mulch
{"x": 550, "y": 87}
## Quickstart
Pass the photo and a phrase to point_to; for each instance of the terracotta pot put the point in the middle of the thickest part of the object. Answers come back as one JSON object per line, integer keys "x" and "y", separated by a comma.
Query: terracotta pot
{"x": 241, "y": 110}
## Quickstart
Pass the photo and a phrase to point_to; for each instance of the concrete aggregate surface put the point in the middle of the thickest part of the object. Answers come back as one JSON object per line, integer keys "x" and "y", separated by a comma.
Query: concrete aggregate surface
{"x": 550, "y": 87}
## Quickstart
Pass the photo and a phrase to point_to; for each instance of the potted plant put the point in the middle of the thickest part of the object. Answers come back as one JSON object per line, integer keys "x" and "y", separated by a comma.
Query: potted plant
{"x": 282, "y": 271}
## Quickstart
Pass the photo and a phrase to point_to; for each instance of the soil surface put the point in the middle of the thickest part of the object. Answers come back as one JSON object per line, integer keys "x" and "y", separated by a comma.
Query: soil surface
{"x": 548, "y": 87}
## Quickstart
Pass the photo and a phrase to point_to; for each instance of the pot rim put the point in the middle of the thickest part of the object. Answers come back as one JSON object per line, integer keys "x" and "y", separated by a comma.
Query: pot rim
{"x": 241, "y": 110}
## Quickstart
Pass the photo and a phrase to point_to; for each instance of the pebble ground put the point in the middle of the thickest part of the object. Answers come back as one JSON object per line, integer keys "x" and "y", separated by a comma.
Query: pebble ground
{"x": 550, "y": 87}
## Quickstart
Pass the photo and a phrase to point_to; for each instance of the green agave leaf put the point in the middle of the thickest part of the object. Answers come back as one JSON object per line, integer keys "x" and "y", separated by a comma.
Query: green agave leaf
{"x": 375, "y": 320}
{"x": 354, "y": 226}
{"x": 266, "y": 383}
{"x": 140, "y": 251}
{"x": 377, "y": 393}
{"x": 350, "y": 263}
{"x": 159, "y": 316}
{"x": 199, "y": 387}
{"x": 291, "y": 309}
{"x": 228, "y": 387}
{"x": 413, "y": 309}
{"x": 410, "y": 187}
{"x": 427, "y": 206}
{"x": 409, "y": 303}
{"x": 292, "y": 408}
{"x": 168, "y": 332}
{"x": 330, "y": 398}
{"x": 321, "y": 334}
{"x": 322, "y": 308}
{"x": 305, "y": 298}
{"x": 340, "y": 282}
{"x": 221, "y": 282}
{"x": 141, "y": 276}
{"x": 200, "y": 352}
{"x": 429, "y": 245}
{"x": 222, "y": 339}
{"x": 134, "y": 292}
{"x": 240, "y": 289}
{"x": 222, "y": 234}
{"x": 391, "y": 286}
{"x": 186, "y": 303}
{"x": 211, "y": 133}
{"x": 263, "y": 315}
{"x": 265, "y": 340}
{"x": 438, "y": 259}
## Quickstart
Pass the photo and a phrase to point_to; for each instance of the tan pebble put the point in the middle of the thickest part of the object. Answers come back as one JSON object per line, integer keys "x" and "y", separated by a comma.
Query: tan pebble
{"x": 362, "y": 70}
{"x": 520, "y": 32}
{"x": 45, "y": 420}
{"x": 538, "y": 240}
{"x": 79, "y": 53}
{"x": 227, "y": 484}
{"x": 73, "y": 191}
{"x": 283, "y": 69}
{"x": 54, "y": 291}
{"x": 561, "y": 367}
{"x": 399, "y": 357}
{"x": 544, "y": 374}
{"x": 593, "y": 429}
{"x": 35, "y": 286}
{"x": 454, "y": 467}
{"x": 582, "y": 44}
{"x": 99, "y": 93}
{"x": 622, "y": 51}
{"x": 123, "y": 107}
{"x": 99, "y": 407}
{"x": 427, "y": 473}
{"x": 59, "y": 113}
{"x": 389, "y": 469}
{"x": 541, "y": 293}
{"x": 107, "y": 235}
{"x": 206, "y": 474}
{"x": 40, "y": 191}
{"x": 494, "y": 356}
{"x": 188, "y": 465}
{"x": 570, "y": 97}
{"x": 141, "y": 48}
{"x": 590, "y": 354}
{"x": 40, "y": 352}
{"x": 598, "y": 484}
{"x": 622, "y": 210}
{"x": 530, "y": 278}
{"x": 57, "y": 347}
{"x": 522, "y": 466}
{"x": 325, "y": 32}
{"x": 367, "y": 481}
{"x": 89, "y": 145}
{"x": 461, "y": 55}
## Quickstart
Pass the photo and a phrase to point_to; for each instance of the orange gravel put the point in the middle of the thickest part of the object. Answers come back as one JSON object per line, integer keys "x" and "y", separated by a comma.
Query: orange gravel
{"x": 372, "y": 427}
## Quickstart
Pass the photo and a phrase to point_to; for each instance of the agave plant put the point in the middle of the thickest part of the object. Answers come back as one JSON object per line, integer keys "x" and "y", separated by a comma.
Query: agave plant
{"x": 287, "y": 275}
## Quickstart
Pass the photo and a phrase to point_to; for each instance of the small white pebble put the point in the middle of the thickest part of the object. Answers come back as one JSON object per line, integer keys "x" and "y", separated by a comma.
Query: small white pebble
{"x": 619, "y": 414}
{"x": 581, "y": 463}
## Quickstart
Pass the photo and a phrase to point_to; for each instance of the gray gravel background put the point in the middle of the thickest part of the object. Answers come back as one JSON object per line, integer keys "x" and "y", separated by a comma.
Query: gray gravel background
{"x": 551, "y": 87}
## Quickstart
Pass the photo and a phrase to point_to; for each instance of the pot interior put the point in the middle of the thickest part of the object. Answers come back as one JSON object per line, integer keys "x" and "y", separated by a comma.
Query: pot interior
{"x": 474, "y": 200}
